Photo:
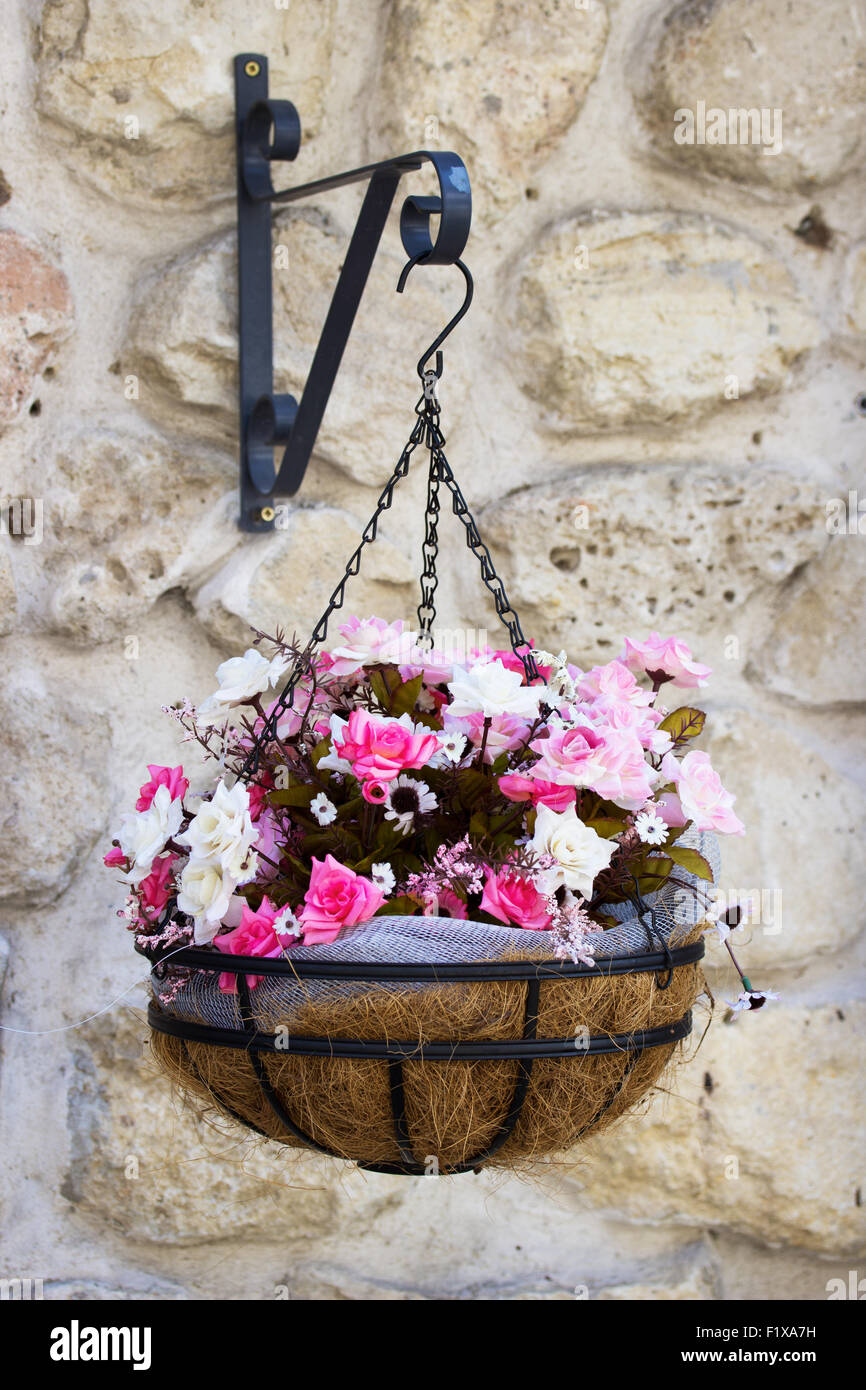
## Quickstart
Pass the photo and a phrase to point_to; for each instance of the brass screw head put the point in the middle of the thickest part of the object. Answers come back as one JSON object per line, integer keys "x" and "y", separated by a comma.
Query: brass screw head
{"x": 266, "y": 514}
{"x": 252, "y": 68}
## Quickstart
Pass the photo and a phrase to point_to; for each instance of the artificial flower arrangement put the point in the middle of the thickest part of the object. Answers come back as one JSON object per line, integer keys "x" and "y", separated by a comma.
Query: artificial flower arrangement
{"x": 398, "y": 781}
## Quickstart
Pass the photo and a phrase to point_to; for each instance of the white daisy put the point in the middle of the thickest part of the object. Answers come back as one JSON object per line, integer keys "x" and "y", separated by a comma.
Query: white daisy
{"x": 651, "y": 828}
{"x": 451, "y": 748}
{"x": 383, "y": 877}
{"x": 407, "y": 799}
{"x": 323, "y": 809}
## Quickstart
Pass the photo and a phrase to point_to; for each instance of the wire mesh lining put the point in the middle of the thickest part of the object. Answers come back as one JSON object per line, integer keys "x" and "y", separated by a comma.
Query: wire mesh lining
{"x": 439, "y": 940}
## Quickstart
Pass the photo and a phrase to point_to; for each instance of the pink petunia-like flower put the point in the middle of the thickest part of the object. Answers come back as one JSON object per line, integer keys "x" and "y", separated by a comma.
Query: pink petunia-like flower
{"x": 379, "y": 749}
{"x": 514, "y": 899}
{"x": 115, "y": 858}
{"x": 665, "y": 657}
{"x": 370, "y": 642}
{"x": 519, "y": 788}
{"x": 505, "y": 733}
{"x": 642, "y": 723}
{"x": 155, "y": 890}
{"x": 612, "y": 683}
{"x": 337, "y": 897}
{"x": 256, "y": 936}
{"x": 702, "y": 797}
{"x": 444, "y": 902}
{"x": 268, "y": 845}
{"x": 171, "y": 777}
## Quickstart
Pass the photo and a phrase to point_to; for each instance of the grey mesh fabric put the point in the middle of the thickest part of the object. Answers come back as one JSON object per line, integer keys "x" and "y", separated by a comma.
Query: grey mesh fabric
{"x": 441, "y": 940}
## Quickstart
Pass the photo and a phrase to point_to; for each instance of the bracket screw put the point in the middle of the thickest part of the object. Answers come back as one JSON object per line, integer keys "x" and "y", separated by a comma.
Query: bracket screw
{"x": 265, "y": 514}
{"x": 252, "y": 68}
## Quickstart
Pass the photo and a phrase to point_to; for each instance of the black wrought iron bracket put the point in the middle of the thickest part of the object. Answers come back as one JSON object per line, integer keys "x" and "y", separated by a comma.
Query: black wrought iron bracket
{"x": 268, "y": 132}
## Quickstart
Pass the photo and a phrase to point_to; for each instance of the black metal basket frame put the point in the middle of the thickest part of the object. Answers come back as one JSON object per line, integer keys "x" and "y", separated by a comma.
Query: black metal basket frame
{"x": 395, "y": 1053}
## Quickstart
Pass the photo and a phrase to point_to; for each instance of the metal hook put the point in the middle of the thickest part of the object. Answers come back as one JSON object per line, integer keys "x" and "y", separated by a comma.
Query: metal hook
{"x": 435, "y": 346}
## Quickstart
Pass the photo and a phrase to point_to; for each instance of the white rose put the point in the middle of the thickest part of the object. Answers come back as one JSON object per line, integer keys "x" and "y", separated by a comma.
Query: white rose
{"x": 223, "y": 831}
{"x": 143, "y": 834}
{"x": 579, "y": 852}
{"x": 490, "y": 688}
{"x": 205, "y": 893}
{"x": 241, "y": 679}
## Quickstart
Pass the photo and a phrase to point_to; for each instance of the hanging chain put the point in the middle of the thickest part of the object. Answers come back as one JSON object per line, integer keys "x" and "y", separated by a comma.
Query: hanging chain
{"x": 440, "y": 472}
{"x": 426, "y": 430}
{"x": 430, "y": 549}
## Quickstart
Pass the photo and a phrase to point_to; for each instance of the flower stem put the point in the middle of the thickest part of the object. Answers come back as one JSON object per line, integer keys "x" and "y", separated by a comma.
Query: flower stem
{"x": 483, "y": 747}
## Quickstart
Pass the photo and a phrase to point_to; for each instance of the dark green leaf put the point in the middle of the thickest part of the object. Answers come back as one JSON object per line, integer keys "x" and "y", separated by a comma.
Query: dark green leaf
{"x": 691, "y": 860}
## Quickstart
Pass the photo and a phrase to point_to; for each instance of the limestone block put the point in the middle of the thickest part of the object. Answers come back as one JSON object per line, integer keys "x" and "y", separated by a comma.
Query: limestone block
{"x": 814, "y": 650}
{"x": 36, "y": 314}
{"x": 127, "y": 519}
{"x": 183, "y": 341}
{"x": 150, "y": 1171}
{"x": 759, "y": 1137}
{"x": 497, "y": 82}
{"x": 143, "y": 99}
{"x": 8, "y": 594}
{"x": 619, "y": 550}
{"x": 856, "y": 287}
{"x": 56, "y": 787}
{"x": 807, "y": 63}
{"x": 631, "y": 320}
{"x": 285, "y": 579}
{"x": 802, "y": 822}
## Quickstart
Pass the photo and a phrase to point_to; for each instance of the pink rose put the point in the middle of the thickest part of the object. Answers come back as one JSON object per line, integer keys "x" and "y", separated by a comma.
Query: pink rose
{"x": 155, "y": 890}
{"x": 254, "y": 937}
{"x": 337, "y": 897}
{"x": 626, "y": 777}
{"x": 534, "y": 789}
{"x": 572, "y": 757}
{"x": 667, "y": 657}
{"x": 702, "y": 796}
{"x": 513, "y": 899}
{"x": 171, "y": 777}
{"x": 379, "y": 749}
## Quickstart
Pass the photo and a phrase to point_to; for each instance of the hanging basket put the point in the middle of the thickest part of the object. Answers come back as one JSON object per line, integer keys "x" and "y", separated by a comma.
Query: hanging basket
{"x": 421, "y": 1045}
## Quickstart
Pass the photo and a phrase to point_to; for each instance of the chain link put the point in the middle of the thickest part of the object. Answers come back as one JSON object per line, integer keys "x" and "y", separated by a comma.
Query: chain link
{"x": 426, "y": 430}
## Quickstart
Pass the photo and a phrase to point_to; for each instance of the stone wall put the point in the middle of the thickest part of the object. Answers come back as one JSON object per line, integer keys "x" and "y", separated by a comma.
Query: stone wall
{"x": 656, "y": 396}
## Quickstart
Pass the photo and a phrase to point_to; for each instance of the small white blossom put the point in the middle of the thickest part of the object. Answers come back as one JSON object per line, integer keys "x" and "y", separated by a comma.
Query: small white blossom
{"x": 287, "y": 924}
{"x": 383, "y": 877}
{"x": 651, "y": 828}
{"x": 323, "y": 809}
{"x": 559, "y": 681}
{"x": 751, "y": 999}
